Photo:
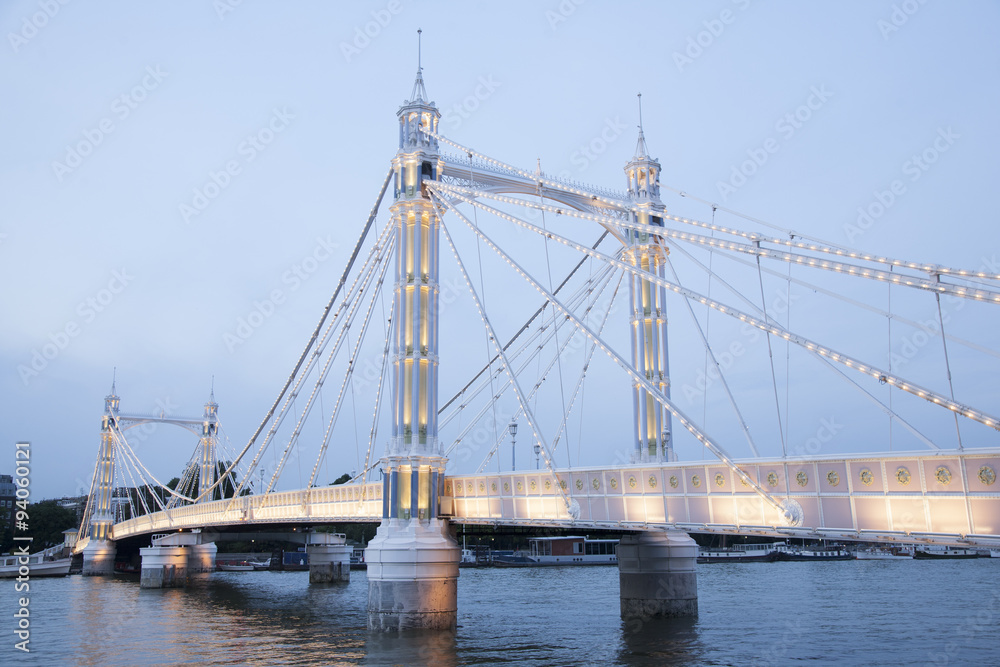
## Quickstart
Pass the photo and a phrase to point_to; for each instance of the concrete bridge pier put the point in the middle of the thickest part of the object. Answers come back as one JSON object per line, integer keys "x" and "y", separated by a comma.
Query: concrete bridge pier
{"x": 99, "y": 558}
{"x": 201, "y": 558}
{"x": 412, "y": 576}
{"x": 163, "y": 567}
{"x": 329, "y": 558}
{"x": 656, "y": 572}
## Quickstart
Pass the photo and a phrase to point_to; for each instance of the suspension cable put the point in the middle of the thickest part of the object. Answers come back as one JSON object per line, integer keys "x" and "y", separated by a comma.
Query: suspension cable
{"x": 315, "y": 333}
{"x": 710, "y": 353}
{"x": 628, "y": 368}
{"x": 770, "y": 356}
{"x": 769, "y": 328}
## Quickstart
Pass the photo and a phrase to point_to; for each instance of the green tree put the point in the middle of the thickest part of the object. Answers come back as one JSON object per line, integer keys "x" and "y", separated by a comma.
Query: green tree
{"x": 46, "y": 522}
{"x": 343, "y": 479}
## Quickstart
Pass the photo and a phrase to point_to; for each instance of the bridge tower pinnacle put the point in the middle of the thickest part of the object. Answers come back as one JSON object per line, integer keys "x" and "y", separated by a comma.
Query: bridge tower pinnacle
{"x": 413, "y": 560}
{"x": 207, "y": 445}
{"x": 99, "y": 554}
{"x": 648, "y": 309}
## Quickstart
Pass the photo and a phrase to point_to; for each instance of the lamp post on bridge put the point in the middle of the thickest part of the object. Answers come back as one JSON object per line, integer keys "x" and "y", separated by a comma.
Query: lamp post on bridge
{"x": 538, "y": 451}
{"x": 512, "y": 427}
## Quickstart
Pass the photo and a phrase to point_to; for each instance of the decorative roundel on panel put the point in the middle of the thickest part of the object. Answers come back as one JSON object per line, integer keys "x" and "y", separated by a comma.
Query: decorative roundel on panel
{"x": 470, "y": 486}
{"x": 506, "y": 486}
{"x": 482, "y": 487}
{"x": 652, "y": 481}
{"x": 447, "y": 488}
{"x": 614, "y": 482}
{"x": 943, "y": 475}
{"x": 987, "y": 475}
{"x": 801, "y": 478}
{"x": 520, "y": 486}
{"x": 744, "y": 481}
{"x": 493, "y": 486}
{"x": 673, "y": 482}
{"x": 562, "y": 484}
{"x": 631, "y": 481}
{"x": 772, "y": 478}
{"x": 867, "y": 477}
{"x": 902, "y": 475}
{"x": 695, "y": 481}
{"x": 548, "y": 485}
{"x": 596, "y": 483}
{"x": 833, "y": 478}
{"x": 533, "y": 484}
{"x": 719, "y": 479}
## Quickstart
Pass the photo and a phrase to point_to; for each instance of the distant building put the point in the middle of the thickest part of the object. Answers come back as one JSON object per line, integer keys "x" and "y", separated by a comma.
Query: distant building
{"x": 7, "y": 498}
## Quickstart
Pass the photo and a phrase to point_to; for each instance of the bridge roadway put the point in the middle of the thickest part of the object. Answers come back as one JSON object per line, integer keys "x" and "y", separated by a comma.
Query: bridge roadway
{"x": 944, "y": 497}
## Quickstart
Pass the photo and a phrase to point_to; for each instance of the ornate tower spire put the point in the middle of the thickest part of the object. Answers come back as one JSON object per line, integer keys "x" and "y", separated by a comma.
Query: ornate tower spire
{"x": 648, "y": 252}
{"x": 413, "y": 560}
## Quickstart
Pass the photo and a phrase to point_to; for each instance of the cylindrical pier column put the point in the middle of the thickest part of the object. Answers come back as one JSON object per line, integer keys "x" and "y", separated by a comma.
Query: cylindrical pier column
{"x": 329, "y": 558}
{"x": 99, "y": 558}
{"x": 656, "y": 572}
{"x": 163, "y": 567}
{"x": 412, "y": 576}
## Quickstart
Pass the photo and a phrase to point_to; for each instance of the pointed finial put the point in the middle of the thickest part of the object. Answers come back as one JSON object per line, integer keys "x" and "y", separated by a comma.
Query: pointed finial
{"x": 640, "y": 146}
{"x": 114, "y": 379}
{"x": 419, "y": 93}
{"x": 212, "y": 396}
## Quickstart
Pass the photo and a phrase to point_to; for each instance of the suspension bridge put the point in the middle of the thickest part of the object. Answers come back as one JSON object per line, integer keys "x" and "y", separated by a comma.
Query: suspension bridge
{"x": 935, "y": 492}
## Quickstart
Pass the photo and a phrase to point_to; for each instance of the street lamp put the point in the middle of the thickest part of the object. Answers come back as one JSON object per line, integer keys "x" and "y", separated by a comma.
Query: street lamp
{"x": 538, "y": 450}
{"x": 512, "y": 427}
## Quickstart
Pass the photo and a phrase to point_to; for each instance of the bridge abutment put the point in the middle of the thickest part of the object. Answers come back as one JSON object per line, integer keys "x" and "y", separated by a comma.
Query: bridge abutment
{"x": 329, "y": 558}
{"x": 656, "y": 572}
{"x": 99, "y": 558}
{"x": 412, "y": 576}
{"x": 164, "y": 567}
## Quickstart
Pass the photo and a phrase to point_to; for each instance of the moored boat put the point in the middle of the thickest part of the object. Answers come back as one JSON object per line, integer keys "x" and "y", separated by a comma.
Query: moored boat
{"x": 743, "y": 553}
{"x": 821, "y": 553}
{"x": 931, "y": 553}
{"x": 235, "y": 567}
{"x": 37, "y": 566}
{"x": 883, "y": 553}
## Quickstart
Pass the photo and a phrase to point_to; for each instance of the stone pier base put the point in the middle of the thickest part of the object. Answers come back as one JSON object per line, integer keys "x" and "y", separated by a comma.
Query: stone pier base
{"x": 163, "y": 567}
{"x": 201, "y": 557}
{"x": 412, "y": 576}
{"x": 656, "y": 572}
{"x": 329, "y": 558}
{"x": 99, "y": 558}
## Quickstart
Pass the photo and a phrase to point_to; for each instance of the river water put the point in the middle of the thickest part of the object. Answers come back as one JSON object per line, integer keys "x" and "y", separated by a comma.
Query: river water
{"x": 853, "y": 612}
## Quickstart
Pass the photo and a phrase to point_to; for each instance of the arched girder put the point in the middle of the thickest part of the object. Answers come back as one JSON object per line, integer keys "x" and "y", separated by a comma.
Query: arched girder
{"x": 496, "y": 182}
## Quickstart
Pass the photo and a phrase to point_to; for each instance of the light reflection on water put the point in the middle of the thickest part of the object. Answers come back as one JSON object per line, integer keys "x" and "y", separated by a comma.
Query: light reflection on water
{"x": 900, "y": 612}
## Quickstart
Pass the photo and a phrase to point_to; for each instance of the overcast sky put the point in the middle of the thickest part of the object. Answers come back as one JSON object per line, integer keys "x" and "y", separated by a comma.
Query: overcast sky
{"x": 167, "y": 168}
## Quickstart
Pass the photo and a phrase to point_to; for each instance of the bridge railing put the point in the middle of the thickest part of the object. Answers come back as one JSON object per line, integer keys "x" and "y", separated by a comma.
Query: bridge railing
{"x": 345, "y": 502}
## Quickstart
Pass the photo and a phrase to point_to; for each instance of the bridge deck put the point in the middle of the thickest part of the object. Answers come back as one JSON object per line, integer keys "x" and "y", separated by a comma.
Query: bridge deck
{"x": 940, "y": 497}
